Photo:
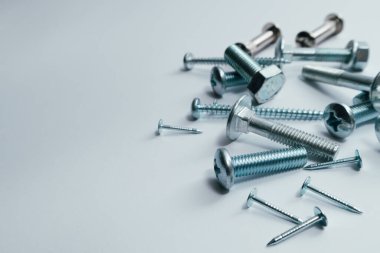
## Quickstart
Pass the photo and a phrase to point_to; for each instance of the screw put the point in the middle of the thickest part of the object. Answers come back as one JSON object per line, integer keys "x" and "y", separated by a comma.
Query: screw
{"x": 199, "y": 110}
{"x": 243, "y": 120}
{"x": 306, "y": 186}
{"x": 353, "y": 57}
{"x": 178, "y": 128}
{"x": 319, "y": 219}
{"x": 263, "y": 83}
{"x": 341, "y": 120}
{"x": 332, "y": 26}
{"x": 252, "y": 197}
{"x": 360, "y": 98}
{"x": 242, "y": 167}
{"x": 356, "y": 161}
{"x": 377, "y": 128}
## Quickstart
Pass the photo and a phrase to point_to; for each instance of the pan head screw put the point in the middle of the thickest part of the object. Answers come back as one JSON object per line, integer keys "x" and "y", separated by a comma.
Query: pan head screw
{"x": 224, "y": 169}
{"x": 187, "y": 61}
{"x": 339, "y": 120}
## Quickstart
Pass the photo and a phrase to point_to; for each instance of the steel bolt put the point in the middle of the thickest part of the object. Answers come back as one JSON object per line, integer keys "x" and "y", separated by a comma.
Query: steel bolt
{"x": 356, "y": 161}
{"x": 222, "y": 81}
{"x": 360, "y": 98}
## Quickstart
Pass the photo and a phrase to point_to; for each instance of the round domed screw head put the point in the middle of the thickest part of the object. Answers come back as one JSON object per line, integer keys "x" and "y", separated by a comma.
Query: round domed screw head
{"x": 377, "y": 128}
{"x": 217, "y": 79}
{"x": 223, "y": 168}
{"x": 339, "y": 120}
{"x": 359, "y": 55}
{"x": 195, "y": 113}
{"x": 305, "y": 185}
{"x": 187, "y": 61}
{"x": 234, "y": 119}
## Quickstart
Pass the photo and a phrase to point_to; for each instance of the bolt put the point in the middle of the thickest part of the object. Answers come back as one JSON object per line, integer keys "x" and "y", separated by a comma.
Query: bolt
{"x": 306, "y": 186}
{"x": 222, "y": 81}
{"x": 356, "y": 161}
{"x": 354, "y": 57}
{"x": 242, "y": 167}
{"x": 319, "y": 219}
{"x": 177, "y": 128}
{"x": 243, "y": 120}
{"x": 332, "y": 26}
{"x": 360, "y": 98}
{"x": 377, "y": 128}
{"x": 341, "y": 120}
{"x": 199, "y": 110}
{"x": 252, "y": 197}
{"x": 263, "y": 83}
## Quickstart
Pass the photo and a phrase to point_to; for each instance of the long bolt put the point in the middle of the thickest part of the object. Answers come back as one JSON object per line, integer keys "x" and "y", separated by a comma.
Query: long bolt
{"x": 353, "y": 57}
{"x": 161, "y": 126}
{"x": 199, "y": 110}
{"x": 243, "y": 120}
{"x": 332, "y": 26}
{"x": 319, "y": 219}
{"x": 356, "y": 161}
{"x": 252, "y": 197}
{"x": 242, "y": 167}
{"x": 306, "y": 186}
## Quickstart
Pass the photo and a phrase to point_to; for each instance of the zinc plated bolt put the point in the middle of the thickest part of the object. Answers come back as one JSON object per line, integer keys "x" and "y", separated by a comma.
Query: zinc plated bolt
{"x": 243, "y": 120}
{"x": 252, "y": 197}
{"x": 161, "y": 126}
{"x": 319, "y": 219}
{"x": 306, "y": 186}
{"x": 356, "y": 161}
{"x": 199, "y": 110}
{"x": 354, "y": 57}
{"x": 263, "y": 83}
{"x": 332, "y": 26}
{"x": 242, "y": 167}
{"x": 360, "y": 98}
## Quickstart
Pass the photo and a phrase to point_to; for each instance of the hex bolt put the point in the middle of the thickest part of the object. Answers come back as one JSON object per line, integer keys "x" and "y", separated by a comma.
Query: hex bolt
{"x": 215, "y": 110}
{"x": 263, "y": 83}
{"x": 248, "y": 166}
{"x": 319, "y": 219}
{"x": 354, "y": 57}
{"x": 306, "y": 186}
{"x": 341, "y": 120}
{"x": 360, "y": 98}
{"x": 161, "y": 126}
{"x": 356, "y": 161}
{"x": 332, "y": 26}
{"x": 377, "y": 128}
{"x": 243, "y": 120}
{"x": 252, "y": 197}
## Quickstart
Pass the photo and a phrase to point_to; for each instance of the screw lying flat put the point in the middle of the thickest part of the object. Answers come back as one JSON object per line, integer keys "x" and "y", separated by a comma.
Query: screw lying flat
{"x": 252, "y": 197}
{"x": 377, "y": 128}
{"x": 306, "y": 186}
{"x": 361, "y": 98}
{"x": 177, "y": 128}
{"x": 356, "y": 161}
{"x": 319, "y": 219}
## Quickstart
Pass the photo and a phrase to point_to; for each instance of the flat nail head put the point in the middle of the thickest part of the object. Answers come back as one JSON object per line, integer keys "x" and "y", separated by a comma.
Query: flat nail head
{"x": 359, "y": 162}
{"x": 251, "y": 195}
{"x": 305, "y": 185}
{"x": 318, "y": 212}
{"x": 159, "y": 127}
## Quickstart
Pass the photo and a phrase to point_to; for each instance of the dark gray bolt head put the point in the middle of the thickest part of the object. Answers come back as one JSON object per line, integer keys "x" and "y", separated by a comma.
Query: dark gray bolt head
{"x": 377, "y": 128}
{"x": 223, "y": 167}
{"x": 374, "y": 93}
{"x": 187, "y": 64}
{"x": 339, "y": 120}
{"x": 195, "y": 108}
{"x": 217, "y": 80}
{"x": 360, "y": 55}
{"x": 234, "y": 121}
{"x": 358, "y": 158}
{"x": 251, "y": 195}
{"x": 305, "y": 185}
{"x": 159, "y": 127}
{"x": 318, "y": 212}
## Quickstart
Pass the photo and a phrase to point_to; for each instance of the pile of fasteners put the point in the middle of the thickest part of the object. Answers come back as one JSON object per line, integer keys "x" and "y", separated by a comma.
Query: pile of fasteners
{"x": 264, "y": 78}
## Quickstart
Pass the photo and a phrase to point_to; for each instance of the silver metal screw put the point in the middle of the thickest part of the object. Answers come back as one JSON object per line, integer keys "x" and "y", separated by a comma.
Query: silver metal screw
{"x": 332, "y": 26}
{"x": 242, "y": 167}
{"x": 199, "y": 110}
{"x": 377, "y": 128}
{"x": 306, "y": 186}
{"x": 360, "y": 98}
{"x": 222, "y": 81}
{"x": 356, "y": 161}
{"x": 319, "y": 219}
{"x": 354, "y": 57}
{"x": 252, "y": 197}
{"x": 264, "y": 83}
{"x": 243, "y": 120}
{"x": 161, "y": 126}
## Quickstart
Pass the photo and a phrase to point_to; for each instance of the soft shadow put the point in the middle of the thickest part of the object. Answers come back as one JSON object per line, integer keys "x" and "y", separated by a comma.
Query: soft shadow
{"x": 215, "y": 186}
{"x": 213, "y": 95}
{"x": 190, "y": 118}
{"x": 223, "y": 140}
{"x": 317, "y": 86}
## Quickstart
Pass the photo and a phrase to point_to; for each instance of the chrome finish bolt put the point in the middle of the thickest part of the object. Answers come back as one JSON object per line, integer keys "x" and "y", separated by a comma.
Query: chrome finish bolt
{"x": 177, "y": 128}
{"x": 356, "y": 161}
{"x": 222, "y": 81}
{"x": 319, "y": 219}
{"x": 306, "y": 186}
{"x": 353, "y": 57}
{"x": 341, "y": 120}
{"x": 243, "y": 120}
{"x": 332, "y": 26}
{"x": 253, "y": 198}
{"x": 263, "y": 83}
{"x": 242, "y": 167}
{"x": 360, "y": 98}
{"x": 377, "y": 128}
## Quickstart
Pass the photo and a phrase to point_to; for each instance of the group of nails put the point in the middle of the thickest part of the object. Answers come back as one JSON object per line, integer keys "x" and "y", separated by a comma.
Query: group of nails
{"x": 263, "y": 78}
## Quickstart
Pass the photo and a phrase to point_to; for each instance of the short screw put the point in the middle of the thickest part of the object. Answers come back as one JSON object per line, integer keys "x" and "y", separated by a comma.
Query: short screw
{"x": 306, "y": 186}
{"x": 360, "y": 98}
{"x": 161, "y": 126}
{"x": 263, "y": 83}
{"x": 252, "y": 197}
{"x": 377, "y": 128}
{"x": 356, "y": 161}
{"x": 332, "y": 26}
{"x": 243, "y": 120}
{"x": 319, "y": 219}
{"x": 242, "y": 167}
{"x": 199, "y": 110}
{"x": 354, "y": 57}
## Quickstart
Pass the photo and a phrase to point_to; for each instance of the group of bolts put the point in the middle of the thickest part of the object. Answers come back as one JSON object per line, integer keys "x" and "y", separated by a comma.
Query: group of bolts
{"x": 263, "y": 78}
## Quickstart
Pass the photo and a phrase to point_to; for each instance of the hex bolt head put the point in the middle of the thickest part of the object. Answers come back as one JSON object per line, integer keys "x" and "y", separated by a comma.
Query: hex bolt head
{"x": 360, "y": 55}
{"x": 232, "y": 131}
{"x": 339, "y": 120}
{"x": 223, "y": 167}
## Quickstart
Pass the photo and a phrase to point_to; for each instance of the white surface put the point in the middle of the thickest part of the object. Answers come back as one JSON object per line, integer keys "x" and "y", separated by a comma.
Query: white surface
{"x": 83, "y": 84}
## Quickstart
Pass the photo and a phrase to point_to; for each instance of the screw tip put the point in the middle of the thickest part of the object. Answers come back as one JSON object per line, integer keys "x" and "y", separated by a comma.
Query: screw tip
{"x": 271, "y": 243}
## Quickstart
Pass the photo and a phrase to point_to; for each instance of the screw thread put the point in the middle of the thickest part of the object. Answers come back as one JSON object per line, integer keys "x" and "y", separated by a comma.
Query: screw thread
{"x": 208, "y": 61}
{"x": 322, "y": 54}
{"x": 214, "y": 109}
{"x": 288, "y": 114}
{"x": 180, "y": 128}
{"x": 263, "y": 61}
{"x": 364, "y": 112}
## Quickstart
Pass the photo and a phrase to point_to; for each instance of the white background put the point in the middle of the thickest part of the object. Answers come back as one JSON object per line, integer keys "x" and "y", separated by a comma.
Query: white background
{"x": 82, "y": 87}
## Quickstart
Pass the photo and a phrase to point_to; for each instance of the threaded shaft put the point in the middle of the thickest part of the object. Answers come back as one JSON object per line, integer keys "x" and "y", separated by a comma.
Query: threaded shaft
{"x": 215, "y": 109}
{"x": 322, "y": 54}
{"x": 263, "y": 61}
{"x": 180, "y": 128}
{"x": 288, "y": 114}
{"x": 364, "y": 112}
{"x": 208, "y": 61}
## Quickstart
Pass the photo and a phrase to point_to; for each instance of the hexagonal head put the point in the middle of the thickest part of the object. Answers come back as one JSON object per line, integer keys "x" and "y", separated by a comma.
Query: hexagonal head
{"x": 359, "y": 55}
{"x": 374, "y": 93}
{"x": 235, "y": 123}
